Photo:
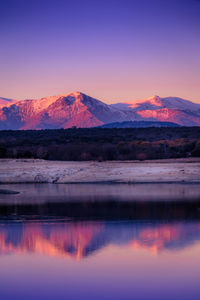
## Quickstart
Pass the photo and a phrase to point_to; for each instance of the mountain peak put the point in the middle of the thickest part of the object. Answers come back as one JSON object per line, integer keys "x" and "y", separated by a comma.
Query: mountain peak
{"x": 156, "y": 100}
{"x": 155, "y": 97}
{"x": 76, "y": 94}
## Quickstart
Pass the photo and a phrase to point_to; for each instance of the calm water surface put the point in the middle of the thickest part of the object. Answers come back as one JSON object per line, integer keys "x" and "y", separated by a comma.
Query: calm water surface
{"x": 100, "y": 242}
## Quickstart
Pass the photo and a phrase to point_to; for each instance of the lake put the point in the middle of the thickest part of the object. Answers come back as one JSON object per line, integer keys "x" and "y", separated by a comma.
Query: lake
{"x": 100, "y": 241}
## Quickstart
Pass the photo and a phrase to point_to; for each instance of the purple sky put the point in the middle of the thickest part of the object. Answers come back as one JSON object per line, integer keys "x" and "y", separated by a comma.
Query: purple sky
{"x": 112, "y": 50}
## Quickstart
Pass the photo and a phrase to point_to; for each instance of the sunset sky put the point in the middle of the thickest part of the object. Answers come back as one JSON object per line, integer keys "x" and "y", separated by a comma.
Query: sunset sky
{"x": 112, "y": 50}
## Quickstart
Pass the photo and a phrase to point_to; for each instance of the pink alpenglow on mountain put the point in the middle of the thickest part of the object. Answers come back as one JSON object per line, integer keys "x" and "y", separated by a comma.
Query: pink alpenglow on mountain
{"x": 170, "y": 109}
{"x": 80, "y": 110}
{"x": 63, "y": 111}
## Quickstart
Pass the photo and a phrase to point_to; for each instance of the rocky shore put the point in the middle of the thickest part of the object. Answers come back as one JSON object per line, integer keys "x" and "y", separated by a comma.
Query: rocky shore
{"x": 42, "y": 171}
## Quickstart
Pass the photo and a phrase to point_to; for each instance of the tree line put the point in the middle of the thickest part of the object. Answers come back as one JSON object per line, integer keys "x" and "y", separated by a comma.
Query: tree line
{"x": 101, "y": 143}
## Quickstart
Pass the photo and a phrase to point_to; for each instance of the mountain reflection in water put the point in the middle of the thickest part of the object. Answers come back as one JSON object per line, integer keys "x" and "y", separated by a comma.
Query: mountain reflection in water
{"x": 102, "y": 242}
{"x": 81, "y": 239}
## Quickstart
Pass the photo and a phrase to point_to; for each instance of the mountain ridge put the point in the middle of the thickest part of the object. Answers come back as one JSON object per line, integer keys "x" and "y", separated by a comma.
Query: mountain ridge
{"x": 80, "y": 110}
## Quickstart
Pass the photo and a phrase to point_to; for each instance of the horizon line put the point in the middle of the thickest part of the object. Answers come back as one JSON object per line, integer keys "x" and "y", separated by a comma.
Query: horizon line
{"x": 98, "y": 98}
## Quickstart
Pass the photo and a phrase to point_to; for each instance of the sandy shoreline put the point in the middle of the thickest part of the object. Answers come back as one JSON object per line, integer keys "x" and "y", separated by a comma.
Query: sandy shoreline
{"x": 41, "y": 171}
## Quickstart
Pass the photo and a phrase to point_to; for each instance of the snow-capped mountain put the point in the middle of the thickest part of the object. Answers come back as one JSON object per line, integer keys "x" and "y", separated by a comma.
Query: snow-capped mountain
{"x": 64, "y": 111}
{"x": 78, "y": 109}
{"x": 170, "y": 109}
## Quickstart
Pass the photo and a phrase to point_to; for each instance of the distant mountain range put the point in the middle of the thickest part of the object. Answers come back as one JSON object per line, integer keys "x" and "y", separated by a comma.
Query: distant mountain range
{"x": 139, "y": 124}
{"x": 80, "y": 110}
